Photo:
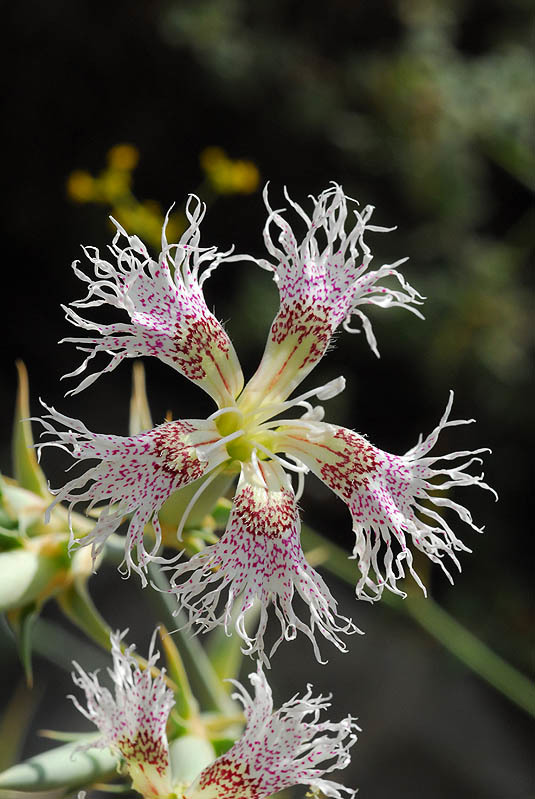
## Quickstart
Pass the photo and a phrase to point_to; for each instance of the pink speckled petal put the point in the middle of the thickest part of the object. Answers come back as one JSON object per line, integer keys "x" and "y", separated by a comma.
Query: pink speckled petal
{"x": 322, "y": 282}
{"x": 169, "y": 318}
{"x": 135, "y": 475}
{"x": 259, "y": 558}
{"x": 132, "y": 719}
{"x": 279, "y": 749}
{"x": 389, "y": 496}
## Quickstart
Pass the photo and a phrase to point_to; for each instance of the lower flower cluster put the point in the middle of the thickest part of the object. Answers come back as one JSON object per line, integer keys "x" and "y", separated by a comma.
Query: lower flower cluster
{"x": 278, "y": 748}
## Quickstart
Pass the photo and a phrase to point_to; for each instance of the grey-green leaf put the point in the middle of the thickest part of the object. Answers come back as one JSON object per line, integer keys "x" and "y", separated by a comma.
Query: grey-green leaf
{"x": 61, "y": 767}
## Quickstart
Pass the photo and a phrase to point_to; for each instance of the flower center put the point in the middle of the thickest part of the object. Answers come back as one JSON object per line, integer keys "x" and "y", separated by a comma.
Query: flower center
{"x": 254, "y": 437}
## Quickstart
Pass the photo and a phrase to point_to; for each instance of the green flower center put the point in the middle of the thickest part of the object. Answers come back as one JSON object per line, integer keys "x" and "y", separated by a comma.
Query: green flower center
{"x": 241, "y": 448}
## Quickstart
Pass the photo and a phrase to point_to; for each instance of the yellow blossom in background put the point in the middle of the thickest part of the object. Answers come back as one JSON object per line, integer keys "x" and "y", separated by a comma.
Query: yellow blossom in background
{"x": 112, "y": 187}
{"x": 146, "y": 219}
{"x": 123, "y": 156}
{"x": 229, "y": 176}
{"x": 81, "y": 186}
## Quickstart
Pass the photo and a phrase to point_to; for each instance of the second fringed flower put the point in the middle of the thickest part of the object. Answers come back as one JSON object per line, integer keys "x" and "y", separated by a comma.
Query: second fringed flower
{"x": 278, "y": 749}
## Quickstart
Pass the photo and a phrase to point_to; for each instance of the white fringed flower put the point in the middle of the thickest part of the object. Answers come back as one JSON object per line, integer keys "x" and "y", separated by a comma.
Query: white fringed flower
{"x": 132, "y": 719}
{"x": 391, "y": 498}
{"x": 322, "y": 282}
{"x": 168, "y": 314}
{"x": 279, "y": 749}
{"x": 134, "y": 476}
{"x": 259, "y": 558}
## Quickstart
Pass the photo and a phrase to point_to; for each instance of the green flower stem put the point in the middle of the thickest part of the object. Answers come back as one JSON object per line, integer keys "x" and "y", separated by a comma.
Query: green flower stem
{"x": 459, "y": 641}
{"x": 225, "y": 651}
{"x": 186, "y": 704}
{"x": 26, "y": 469}
{"x": 205, "y": 683}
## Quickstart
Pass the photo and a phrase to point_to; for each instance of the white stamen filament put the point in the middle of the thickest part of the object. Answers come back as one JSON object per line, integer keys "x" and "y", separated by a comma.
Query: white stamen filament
{"x": 325, "y": 392}
{"x": 283, "y": 462}
{"x": 203, "y": 452}
{"x": 308, "y": 425}
{"x": 222, "y": 411}
{"x": 258, "y": 470}
{"x": 194, "y": 499}
{"x": 300, "y": 478}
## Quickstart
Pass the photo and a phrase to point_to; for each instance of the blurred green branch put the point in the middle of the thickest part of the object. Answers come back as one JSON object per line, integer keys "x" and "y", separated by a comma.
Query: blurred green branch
{"x": 459, "y": 641}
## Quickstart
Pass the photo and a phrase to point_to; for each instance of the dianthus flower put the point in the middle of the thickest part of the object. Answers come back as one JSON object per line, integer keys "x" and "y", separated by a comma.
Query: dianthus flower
{"x": 278, "y": 749}
{"x": 131, "y": 720}
{"x": 395, "y": 500}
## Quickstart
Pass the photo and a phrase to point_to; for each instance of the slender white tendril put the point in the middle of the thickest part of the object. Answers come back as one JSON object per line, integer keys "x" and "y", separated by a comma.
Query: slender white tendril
{"x": 258, "y": 470}
{"x": 203, "y": 452}
{"x": 194, "y": 499}
{"x": 223, "y": 411}
{"x": 287, "y": 465}
{"x": 325, "y": 392}
{"x": 300, "y": 478}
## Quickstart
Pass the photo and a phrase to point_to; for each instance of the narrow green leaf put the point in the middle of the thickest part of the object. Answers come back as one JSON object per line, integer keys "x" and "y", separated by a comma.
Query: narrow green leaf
{"x": 60, "y": 767}
{"x": 22, "y": 621}
{"x": 14, "y": 724}
{"x": 25, "y": 467}
{"x": 140, "y": 415}
{"x": 22, "y": 510}
{"x": 186, "y": 704}
{"x": 9, "y": 539}
{"x": 78, "y": 606}
{"x": 470, "y": 650}
{"x": 189, "y": 755}
{"x": 225, "y": 651}
{"x": 64, "y": 737}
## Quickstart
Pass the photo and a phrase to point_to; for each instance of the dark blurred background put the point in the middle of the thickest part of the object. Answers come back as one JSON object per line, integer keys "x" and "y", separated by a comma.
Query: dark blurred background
{"x": 419, "y": 107}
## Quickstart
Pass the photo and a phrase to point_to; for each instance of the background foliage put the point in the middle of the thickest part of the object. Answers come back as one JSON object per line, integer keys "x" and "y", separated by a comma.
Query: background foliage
{"x": 418, "y": 107}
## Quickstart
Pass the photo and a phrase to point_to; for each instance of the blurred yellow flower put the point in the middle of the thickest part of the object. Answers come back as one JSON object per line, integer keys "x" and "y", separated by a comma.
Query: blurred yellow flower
{"x": 112, "y": 187}
{"x": 229, "y": 176}
{"x": 80, "y": 186}
{"x": 145, "y": 218}
{"x": 123, "y": 156}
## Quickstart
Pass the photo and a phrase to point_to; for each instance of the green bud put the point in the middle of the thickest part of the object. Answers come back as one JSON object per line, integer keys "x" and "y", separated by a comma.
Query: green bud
{"x": 189, "y": 755}
{"x": 31, "y": 575}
